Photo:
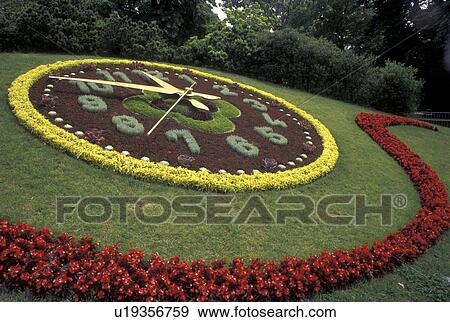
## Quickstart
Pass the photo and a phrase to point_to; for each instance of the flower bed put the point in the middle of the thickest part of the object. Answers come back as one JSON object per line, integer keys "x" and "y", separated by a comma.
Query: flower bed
{"x": 65, "y": 267}
{"x": 25, "y": 111}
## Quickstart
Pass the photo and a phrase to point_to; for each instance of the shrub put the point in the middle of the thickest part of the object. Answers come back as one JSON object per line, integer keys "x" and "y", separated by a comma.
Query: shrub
{"x": 293, "y": 59}
{"x": 242, "y": 146}
{"x": 174, "y": 135}
{"x": 92, "y": 103}
{"x": 128, "y": 125}
{"x": 393, "y": 88}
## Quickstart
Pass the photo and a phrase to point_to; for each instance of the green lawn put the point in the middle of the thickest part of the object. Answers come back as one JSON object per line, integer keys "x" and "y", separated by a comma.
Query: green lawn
{"x": 33, "y": 174}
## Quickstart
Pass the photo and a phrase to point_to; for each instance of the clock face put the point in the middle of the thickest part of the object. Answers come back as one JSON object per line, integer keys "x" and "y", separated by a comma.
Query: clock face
{"x": 239, "y": 132}
{"x": 176, "y": 125}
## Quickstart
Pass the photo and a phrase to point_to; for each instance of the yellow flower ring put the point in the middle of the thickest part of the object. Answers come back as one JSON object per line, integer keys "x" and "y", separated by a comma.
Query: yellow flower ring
{"x": 82, "y": 149}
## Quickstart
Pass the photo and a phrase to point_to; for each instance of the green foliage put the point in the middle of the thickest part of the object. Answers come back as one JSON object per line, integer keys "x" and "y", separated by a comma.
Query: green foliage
{"x": 268, "y": 133}
{"x": 140, "y": 29}
{"x": 81, "y": 86}
{"x": 220, "y": 123}
{"x": 186, "y": 78}
{"x": 174, "y": 135}
{"x": 101, "y": 88}
{"x": 105, "y": 74}
{"x": 256, "y": 104}
{"x": 92, "y": 103}
{"x": 343, "y": 22}
{"x": 242, "y": 146}
{"x": 224, "y": 90}
{"x": 121, "y": 77}
{"x": 273, "y": 122}
{"x": 151, "y": 96}
{"x": 128, "y": 125}
{"x": 393, "y": 88}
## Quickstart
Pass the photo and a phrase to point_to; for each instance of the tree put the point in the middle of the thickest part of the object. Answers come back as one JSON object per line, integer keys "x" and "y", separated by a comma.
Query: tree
{"x": 343, "y": 22}
{"x": 415, "y": 33}
{"x": 278, "y": 11}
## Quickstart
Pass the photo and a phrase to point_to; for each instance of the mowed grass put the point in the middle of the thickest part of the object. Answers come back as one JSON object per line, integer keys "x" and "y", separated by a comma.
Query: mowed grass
{"x": 33, "y": 174}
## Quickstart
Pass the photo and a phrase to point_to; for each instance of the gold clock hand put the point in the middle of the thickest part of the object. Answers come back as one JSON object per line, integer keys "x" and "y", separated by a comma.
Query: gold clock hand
{"x": 119, "y": 84}
{"x": 198, "y": 104}
{"x": 206, "y": 96}
{"x": 162, "y": 83}
{"x": 170, "y": 86}
{"x": 171, "y": 108}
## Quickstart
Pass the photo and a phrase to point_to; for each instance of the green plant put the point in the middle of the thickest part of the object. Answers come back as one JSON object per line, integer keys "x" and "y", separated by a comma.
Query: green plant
{"x": 121, "y": 76}
{"x": 81, "y": 86}
{"x": 105, "y": 74}
{"x": 220, "y": 123}
{"x": 224, "y": 90}
{"x": 273, "y": 122}
{"x": 128, "y": 125}
{"x": 392, "y": 88}
{"x": 186, "y": 78}
{"x": 268, "y": 133}
{"x": 242, "y": 146}
{"x": 92, "y": 103}
{"x": 256, "y": 104}
{"x": 151, "y": 96}
{"x": 174, "y": 135}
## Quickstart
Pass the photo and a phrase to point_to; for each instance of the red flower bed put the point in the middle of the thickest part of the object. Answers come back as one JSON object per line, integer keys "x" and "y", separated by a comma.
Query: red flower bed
{"x": 65, "y": 267}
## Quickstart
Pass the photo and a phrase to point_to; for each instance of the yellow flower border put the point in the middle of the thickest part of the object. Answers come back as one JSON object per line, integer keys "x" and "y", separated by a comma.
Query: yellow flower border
{"x": 82, "y": 149}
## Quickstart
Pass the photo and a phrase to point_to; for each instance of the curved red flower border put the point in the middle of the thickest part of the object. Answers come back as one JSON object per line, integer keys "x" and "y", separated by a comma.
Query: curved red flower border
{"x": 65, "y": 267}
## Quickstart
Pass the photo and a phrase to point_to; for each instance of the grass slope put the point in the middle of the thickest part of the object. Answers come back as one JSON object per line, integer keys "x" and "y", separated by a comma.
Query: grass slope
{"x": 33, "y": 174}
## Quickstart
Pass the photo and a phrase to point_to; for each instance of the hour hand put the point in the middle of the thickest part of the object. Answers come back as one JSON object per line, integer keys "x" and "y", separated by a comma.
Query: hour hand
{"x": 164, "y": 84}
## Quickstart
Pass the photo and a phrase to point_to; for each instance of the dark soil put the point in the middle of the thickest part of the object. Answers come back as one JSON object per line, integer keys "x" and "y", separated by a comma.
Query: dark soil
{"x": 215, "y": 152}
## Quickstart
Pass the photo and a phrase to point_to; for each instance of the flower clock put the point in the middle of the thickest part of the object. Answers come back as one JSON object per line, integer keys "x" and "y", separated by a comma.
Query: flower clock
{"x": 170, "y": 124}
{"x": 186, "y": 127}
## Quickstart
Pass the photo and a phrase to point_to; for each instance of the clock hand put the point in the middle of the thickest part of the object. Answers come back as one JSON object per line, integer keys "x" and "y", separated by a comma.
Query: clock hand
{"x": 194, "y": 102}
{"x": 171, "y": 108}
{"x": 162, "y": 83}
{"x": 119, "y": 84}
{"x": 205, "y": 96}
{"x": 170, "y": 86}
{"x": 198, "y": 104}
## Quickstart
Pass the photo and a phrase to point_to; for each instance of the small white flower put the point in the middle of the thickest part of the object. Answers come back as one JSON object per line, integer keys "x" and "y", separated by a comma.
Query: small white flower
{"x": 164, "y": 162}
{"x": 109, "y": 147}
{"x": 126, "y": 153}
{"x": 145, "y": 159}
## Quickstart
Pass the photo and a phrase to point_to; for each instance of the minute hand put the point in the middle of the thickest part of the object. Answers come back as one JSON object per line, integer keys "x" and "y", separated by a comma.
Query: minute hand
{"x": 120, "y": 84}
